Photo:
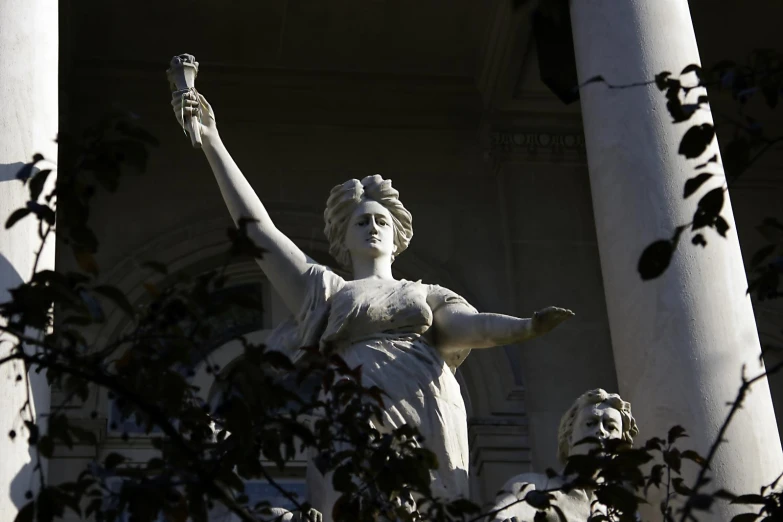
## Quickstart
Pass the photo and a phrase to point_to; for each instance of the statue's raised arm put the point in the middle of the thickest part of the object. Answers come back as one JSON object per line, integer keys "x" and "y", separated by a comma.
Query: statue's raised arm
{"x": 283, "y": 262}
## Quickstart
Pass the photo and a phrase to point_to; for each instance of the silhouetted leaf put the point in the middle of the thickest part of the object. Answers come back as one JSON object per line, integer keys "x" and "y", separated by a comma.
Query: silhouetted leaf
{"x": 463, "y": 505}
{"x": 34, "y": 432}
{"x": 117, "y": 297}
{"x": 660, "y": 80}
{"x": 699, "y": 240}
{"x": 26, "y": 513}
{"x": 701, "y": 502}
{"x": 672, "y": 459}
{"x": 618, "y": 497}
{"x": 46, "y": 446}
{"x": 692, "y": 68}
{"x": 241, "y": 243}
{"x": 679, "y": 486}
{"x": 44, "y": 212}
{"x": 696, "y": 140}
{"x": 693, "y": 184}
{"x": 749, "y": 499}
{"x": 688, "y": 110}
{"x": 713, "y": 159}
{"x": 676, "y": 432}
{"x": 725, "y": 495}
{"x": 708, "y": 209}
{"x": 721, "y": 226}
{"x": 38, "y": 182}
{"x": 745, "y": 517}
{"x": 16, "y": 215}
{"x": 539, "y": 499}
{"x": 677, "y": 111}
{"x": 656, "y": 475}
{"x": 693, "y": 456}
{"x": 655, "y": 259}
{"x": 113, "y": 460}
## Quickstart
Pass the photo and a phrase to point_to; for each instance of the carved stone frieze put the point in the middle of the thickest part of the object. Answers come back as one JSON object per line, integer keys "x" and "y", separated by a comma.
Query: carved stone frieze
{"x": 533, "y": 143}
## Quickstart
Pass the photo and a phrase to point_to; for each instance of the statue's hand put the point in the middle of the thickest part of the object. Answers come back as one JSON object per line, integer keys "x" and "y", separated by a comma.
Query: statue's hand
{"x": 546, "y": 319}
{"x": 311, "y": 516}
{"x": 190, "y": 104}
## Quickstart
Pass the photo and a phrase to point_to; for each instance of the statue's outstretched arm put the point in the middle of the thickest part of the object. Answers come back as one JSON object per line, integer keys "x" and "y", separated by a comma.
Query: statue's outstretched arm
{"x": 283, "y": 262}
{"x": 458, "y": 327}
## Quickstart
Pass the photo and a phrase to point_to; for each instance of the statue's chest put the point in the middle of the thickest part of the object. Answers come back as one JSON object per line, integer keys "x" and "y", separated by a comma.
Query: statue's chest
{"x": 380, "y": 306}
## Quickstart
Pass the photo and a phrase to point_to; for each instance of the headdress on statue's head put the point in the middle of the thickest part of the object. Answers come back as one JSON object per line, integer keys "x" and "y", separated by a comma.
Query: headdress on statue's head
{"x": 343, "y": 200}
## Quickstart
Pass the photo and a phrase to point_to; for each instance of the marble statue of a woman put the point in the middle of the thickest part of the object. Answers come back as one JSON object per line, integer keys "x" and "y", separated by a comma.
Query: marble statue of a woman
{"x": 408, "y": 336}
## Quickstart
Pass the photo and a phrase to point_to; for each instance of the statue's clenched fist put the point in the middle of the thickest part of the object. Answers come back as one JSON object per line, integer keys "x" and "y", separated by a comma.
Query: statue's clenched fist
{"x": 191, "y": 104}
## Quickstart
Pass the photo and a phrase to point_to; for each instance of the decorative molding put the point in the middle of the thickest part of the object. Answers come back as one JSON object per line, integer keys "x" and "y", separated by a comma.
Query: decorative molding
{"x": 506, "y": 42}
{"x": 498, "y": 451}
{"x": 532, "y": 143}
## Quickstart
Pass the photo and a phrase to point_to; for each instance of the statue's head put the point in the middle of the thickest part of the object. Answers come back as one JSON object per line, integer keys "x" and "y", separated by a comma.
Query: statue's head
{"x": 596, "y": 414}
{"x": 366, "y": 218}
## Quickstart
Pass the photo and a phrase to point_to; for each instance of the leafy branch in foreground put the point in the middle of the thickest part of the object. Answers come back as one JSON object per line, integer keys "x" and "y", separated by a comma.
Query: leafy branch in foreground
{"x": 206, "y": 451}
{"x": 268, "y": 411}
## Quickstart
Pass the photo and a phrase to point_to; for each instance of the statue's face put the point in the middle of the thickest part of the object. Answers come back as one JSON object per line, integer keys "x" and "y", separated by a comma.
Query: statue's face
{"x": 599, "y": 421}
{"x": 370, "y": 231}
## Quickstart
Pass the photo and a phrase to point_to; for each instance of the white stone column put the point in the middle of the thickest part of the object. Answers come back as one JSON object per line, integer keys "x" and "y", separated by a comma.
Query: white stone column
{"x": 679, "y": 341}
{"x": 28, "y": 124}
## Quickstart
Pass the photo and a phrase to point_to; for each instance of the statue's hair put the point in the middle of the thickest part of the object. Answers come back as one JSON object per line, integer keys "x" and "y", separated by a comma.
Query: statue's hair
{"x": 596, "y": 396}
{"x": 343, "y": 200}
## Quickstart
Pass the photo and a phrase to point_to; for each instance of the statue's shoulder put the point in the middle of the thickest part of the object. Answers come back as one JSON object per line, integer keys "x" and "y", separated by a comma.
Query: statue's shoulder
{"x": 438, "y": 296}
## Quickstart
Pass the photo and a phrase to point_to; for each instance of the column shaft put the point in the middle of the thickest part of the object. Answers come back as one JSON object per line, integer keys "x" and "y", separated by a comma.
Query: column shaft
{"x": 679, "y": 341}
{"x": 28, "y": 125}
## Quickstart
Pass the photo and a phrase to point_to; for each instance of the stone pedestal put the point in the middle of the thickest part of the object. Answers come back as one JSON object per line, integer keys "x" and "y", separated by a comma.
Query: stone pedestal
{"x": 28, "y": 125}
{"x": 679, "y": 341}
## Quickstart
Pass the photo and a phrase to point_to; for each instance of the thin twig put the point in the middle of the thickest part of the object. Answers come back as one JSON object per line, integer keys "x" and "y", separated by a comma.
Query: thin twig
{"x": 719, "y": 439}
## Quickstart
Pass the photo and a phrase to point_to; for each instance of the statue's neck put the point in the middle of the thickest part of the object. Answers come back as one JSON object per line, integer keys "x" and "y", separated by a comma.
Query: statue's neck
{"x": 372, "y": 268}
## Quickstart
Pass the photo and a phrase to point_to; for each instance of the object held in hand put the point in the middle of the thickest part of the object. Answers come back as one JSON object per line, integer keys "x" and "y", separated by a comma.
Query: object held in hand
{"x": 182, "y": 73}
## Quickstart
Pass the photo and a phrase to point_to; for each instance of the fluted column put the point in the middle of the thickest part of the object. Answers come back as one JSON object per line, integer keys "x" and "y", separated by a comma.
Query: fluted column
{"x": 28, "y": 125}
{"x": 680, "y": 340}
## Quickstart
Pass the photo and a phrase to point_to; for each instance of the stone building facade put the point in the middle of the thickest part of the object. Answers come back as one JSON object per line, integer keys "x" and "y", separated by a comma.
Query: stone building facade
{"x": 517, "y": 199}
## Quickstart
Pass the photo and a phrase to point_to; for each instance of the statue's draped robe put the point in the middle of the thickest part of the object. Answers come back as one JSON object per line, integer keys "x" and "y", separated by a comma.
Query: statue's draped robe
{"x": 385, "y": 326}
